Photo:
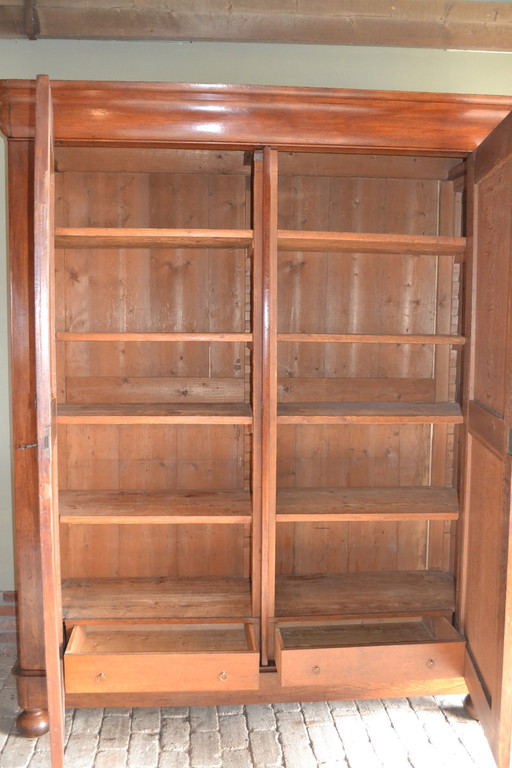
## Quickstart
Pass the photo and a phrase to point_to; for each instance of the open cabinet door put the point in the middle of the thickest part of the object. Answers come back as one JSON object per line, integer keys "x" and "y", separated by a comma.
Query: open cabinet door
{"x": 486, "y": 567}
{"x": 44, "y": 272}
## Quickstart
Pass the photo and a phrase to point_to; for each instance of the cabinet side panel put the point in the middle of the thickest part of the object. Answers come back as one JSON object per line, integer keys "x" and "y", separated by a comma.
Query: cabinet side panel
{"x": 28, "y": 563}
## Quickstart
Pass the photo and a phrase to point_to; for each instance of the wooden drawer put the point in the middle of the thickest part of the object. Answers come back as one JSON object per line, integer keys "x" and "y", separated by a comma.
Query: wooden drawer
{"x": 158, "y": 658}
{"x": 368, "y": 654}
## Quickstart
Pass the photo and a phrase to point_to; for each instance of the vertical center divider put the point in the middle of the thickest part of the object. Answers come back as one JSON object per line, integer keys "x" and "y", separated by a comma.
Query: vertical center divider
{"x": 265, "y": 234}
{"x": 256, "y": 381}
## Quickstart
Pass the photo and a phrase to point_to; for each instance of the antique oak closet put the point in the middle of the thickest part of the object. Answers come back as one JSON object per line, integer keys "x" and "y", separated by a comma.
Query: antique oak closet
{"x": 261, "y": 384}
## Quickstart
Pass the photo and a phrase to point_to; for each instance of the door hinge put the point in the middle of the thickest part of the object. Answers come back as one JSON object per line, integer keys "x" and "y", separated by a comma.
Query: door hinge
{"x": 46, "y": 440}
{"x": 509, "y": 442}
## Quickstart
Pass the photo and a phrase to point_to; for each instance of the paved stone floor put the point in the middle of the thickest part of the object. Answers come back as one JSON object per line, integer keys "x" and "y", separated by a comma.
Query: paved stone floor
{"x": 396, "y": 733}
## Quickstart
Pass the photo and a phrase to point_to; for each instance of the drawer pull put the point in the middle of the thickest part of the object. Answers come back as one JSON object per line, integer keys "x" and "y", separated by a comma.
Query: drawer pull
{"x": 101, "y": 677}
{"x": 223, "y": 675}
{"x": 316, "y": 670}
{"x": 430, "y": 663}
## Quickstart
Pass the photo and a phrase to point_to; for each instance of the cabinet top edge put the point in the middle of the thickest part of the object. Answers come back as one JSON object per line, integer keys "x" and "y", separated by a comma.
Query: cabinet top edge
{"x": 249, "y": 116}
{"x": 281, "y": 90}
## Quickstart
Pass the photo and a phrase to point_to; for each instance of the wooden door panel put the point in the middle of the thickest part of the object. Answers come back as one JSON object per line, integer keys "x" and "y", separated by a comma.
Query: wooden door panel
{"x": 486, "y": 569}
{"x": 493, "y": 221}
{"x": 46, "y": 389}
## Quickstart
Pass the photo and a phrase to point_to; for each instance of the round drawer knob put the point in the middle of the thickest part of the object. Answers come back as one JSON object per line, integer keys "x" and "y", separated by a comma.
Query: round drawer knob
{"x": 101, "y": 677}
{"x": 316, "y": 670}
{"x": 223, "y": 675}
{"x": 431, "y": 663}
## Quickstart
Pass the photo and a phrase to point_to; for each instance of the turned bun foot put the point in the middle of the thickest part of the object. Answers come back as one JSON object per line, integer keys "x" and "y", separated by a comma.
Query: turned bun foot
{"x": 469, "y": 707}
{"x": 32, "y": 723}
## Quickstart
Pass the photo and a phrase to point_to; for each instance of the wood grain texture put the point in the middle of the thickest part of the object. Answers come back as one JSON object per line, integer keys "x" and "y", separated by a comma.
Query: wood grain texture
{"x": 369, "y": 413}
{"x": 176, "y": 336}
{"x": 366, "y": 338}
{"x": 341, "y": 634}
{"x": 494, "y": 150}
{"x": 353, "y": 456}
{"x": 152, "y": 160}
{"x": 493, "y": 289}
{"x": 300, "y": 389}
{"x": 46, "y": 385}
{"x": 152, "y": 389}
{"x": 354, "y": 242}
{"x": 25, "y": 490}
{"x": 151, "y": 457}
{"x": 380, "y": 503}
{"x": 365, "y": 594}
{"x": 485, "y": 568}
{"x": 300, "y": 338}
{"x": 252, "y": 116}
{"x": 97, "y": 158}
{"x": 156, "y": 599}
{"x": 481, "y": 621}
{"x": 367, "y": 666}
{"x": 271, "y": 691}
{"x": 153, "y": 550}
{"x": 157, "y": 507}
{"x": 158, "y": 638}
{"x": 205, "y": 657}
{"x": 150, "y": 238}
{"x": 488, "y": 428}
{"x": 163, "y": 413}
{"x": 268, "y": 209}
{"x": 255, "y": 381}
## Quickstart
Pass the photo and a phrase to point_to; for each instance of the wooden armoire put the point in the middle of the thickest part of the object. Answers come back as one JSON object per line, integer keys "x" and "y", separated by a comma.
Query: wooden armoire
{"x": 261, "y": 386}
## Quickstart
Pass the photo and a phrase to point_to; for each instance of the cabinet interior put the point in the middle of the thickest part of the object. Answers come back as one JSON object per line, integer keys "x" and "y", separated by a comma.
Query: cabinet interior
{"x": 159, "y": 385}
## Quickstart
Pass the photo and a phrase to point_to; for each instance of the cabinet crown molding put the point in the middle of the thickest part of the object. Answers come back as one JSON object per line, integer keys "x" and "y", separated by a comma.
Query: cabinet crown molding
{"x": 246, "y": 116}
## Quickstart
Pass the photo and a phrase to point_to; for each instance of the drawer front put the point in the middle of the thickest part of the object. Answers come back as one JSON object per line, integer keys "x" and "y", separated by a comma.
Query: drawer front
{"x": 162, "y": 658}
{"x": 366, "y": 666}
{"x": 161, "y": 672}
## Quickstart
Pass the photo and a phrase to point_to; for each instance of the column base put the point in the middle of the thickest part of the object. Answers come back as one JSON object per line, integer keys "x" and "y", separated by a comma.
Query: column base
{"x": 33, "y": 723}
{"x": 469, "y": 707}
{"x": 33, "y": 719}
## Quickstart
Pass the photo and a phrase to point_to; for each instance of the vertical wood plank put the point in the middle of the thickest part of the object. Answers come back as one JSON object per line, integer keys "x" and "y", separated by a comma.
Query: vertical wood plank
{"x": 257, "y": 565}
{"x": 442, "y": 472}
{"x": 46, "y": 428}
{"x": 31, "y": 655}
{"x": 268, "y": 226}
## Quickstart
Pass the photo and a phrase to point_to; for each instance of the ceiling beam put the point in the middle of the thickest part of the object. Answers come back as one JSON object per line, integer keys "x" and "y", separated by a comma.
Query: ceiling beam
{"x": 463, "y": 24}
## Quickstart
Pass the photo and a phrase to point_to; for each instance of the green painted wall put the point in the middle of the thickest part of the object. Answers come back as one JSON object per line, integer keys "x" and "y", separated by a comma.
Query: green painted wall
{"x": 258, "y": 63}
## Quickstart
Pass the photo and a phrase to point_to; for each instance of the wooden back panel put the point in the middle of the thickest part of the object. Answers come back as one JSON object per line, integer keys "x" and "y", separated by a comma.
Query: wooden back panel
{"x": 158, "y": 290}
{"x": 367, "y": 294}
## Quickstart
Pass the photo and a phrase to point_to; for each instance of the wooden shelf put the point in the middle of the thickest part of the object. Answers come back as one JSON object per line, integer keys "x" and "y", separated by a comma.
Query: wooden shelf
{"x": 288, "y": 240}
{"x": 155, "y": 337}
{"x": 352, "y": 242}
{"x": 369, "y": 413}
{"x": 377, "y": 504}
{"x": 137, "y": 413}
{"x": 204, "y": 597}
{"x": 154, "y": 507}
{"x": 124, "y": 237}
{"x": 366, "y": 594}
{"x": 367, "y": 338}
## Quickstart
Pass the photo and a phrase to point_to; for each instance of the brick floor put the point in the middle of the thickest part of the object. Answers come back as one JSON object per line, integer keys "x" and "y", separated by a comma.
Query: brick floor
{"x": 396, "y": 733}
